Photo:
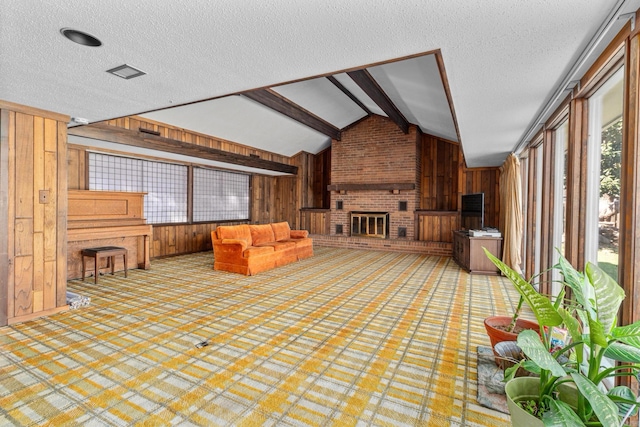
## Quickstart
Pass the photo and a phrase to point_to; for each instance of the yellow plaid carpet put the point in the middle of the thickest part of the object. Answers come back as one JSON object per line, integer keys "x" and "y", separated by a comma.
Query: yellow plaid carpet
{"x": 347, "y": 337}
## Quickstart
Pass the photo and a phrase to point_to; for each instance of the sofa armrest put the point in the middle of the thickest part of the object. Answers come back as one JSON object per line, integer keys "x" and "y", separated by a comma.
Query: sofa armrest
{"x": 234, "y": 242}
{"x": 299, "y": 234}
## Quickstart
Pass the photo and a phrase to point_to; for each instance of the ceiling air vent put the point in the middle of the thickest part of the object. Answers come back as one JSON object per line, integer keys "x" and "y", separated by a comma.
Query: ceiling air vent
{"x": 126, "y": 72}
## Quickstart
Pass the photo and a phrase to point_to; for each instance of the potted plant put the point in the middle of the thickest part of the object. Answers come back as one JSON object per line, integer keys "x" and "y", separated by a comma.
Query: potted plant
{"x": 506, "y": 328}
{"x": 569, "y": 388}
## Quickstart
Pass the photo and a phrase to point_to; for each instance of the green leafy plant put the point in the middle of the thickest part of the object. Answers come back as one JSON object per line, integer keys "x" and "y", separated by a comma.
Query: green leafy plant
{"x": 590, "y": 318}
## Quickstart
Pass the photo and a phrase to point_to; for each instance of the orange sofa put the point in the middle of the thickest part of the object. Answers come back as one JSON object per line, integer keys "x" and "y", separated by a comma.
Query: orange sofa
{"x": 250, "y": 249}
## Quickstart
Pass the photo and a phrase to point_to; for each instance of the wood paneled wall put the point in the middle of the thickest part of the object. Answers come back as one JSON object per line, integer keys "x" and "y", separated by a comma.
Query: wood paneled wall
{"x": 273, "y": 198}
{"x": 485, "y": 180}
{"x": 437, "y": 226}
{"x": 181, "y": 239}
{"x": 33, "y": 149}
{"x": 321, "y": 179}
{"x": 440, "y": 170}
{"x": 135, "y": 123}
{"x": 315, "y": 221}
{"x": 444, "y": 178}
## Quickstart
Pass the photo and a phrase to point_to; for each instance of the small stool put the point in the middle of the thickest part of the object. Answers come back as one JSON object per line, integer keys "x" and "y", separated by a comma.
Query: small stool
{"x": 105, "y": 251}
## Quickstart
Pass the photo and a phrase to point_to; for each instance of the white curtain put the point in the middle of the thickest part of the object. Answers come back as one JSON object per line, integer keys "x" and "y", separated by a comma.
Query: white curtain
{"x": 511, "y": 212}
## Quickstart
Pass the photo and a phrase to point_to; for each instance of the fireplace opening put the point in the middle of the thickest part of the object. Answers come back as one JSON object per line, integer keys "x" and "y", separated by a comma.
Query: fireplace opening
{"x": 370, "y": 224}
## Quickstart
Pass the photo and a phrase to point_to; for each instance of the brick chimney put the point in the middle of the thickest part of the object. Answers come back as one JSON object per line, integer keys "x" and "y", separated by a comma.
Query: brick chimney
{"x": 376, "y": 168}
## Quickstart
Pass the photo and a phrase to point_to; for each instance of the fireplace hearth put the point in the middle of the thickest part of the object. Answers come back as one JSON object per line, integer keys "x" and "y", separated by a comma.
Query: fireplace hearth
{"x": 370, "y": 224}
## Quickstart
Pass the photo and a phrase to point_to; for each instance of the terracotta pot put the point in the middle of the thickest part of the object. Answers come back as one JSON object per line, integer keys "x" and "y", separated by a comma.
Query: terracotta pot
{"x": 498, "y": 335}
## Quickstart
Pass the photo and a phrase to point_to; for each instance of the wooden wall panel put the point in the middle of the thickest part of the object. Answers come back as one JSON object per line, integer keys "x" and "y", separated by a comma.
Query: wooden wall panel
{"x": 530, "y": 214}
{"x": 23, "y": 303}
{"x": 315, "y": 221}
{"x": 547, "y": 202}
{"x": 76, "y": 169}
{"x": 9, "y": 128}
{"x": 171, "y": 240}
{"x": 485, "y": 180}
{"x": 34, "y": 143}
{"x": 168, "y": 131}
{"x": 576, "y": 183}
{"x": 321, "y": 179}
{"x": 629, "y": 262}
{"x": 439, "y": 180}
{"x": 24, "y": 166}
{"x": 272, "y": 198}
{"x": 5, "y": 129}
{"x": 59, "y": 194}
{"x": 49, "y": 289}
{"x": 437, "y": 226}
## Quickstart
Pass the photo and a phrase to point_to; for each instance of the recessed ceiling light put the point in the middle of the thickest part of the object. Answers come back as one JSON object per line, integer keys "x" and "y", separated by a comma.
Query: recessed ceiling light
{"x": 126, "y": 71}
{"x": 80, "y": 37}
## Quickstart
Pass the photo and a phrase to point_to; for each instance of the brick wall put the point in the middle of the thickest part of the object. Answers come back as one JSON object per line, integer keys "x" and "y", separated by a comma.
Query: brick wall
{"x": 376, "y": 151}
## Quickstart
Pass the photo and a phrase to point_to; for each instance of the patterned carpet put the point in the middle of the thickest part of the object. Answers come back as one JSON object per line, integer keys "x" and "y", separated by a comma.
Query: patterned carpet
{"x": 347, "y": 337}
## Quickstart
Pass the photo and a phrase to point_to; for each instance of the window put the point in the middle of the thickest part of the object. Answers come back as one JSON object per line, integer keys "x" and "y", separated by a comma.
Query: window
{"x": 166, "y": 188}
{"x": 539, "y": 157}
{"x": 603, "y": 180}
{"x": 561, "y": 136}
{"x": 524, "y": 179}
{"x": 220, "y": 195}
{"x": 217, "y": 195}
{"x": 164, "y": 183}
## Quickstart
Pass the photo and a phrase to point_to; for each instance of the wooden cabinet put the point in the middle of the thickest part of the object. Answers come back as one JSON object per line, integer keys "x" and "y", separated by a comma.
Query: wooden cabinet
{"x": 468, "y": 252}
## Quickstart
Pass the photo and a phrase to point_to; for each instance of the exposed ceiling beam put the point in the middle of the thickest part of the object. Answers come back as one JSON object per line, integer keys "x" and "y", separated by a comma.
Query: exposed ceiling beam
{"x": 351, "y": 96}
{"x": 105, "y": 132}
{"x": 368, "y": 84}
{"x": 276, "y": 102}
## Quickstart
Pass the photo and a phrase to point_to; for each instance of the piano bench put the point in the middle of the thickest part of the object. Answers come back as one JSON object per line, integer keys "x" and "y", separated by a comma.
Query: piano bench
{"x": 105, "y": 251}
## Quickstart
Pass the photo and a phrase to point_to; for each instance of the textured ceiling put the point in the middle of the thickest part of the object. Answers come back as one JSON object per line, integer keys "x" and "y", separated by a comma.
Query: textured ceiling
{"x": 503, "y": 59}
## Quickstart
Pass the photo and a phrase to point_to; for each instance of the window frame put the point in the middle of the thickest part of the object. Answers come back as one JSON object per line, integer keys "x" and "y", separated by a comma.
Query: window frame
{"x": 193, "y": 195}
{"x": 189, "y": 185}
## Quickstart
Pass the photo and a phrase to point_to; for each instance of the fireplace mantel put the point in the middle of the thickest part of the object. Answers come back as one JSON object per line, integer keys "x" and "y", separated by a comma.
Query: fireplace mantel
{"x": 378, "y": 186}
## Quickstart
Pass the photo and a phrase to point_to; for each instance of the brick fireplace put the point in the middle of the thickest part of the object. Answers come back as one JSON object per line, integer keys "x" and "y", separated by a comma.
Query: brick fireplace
{"x": 370, "y": 224}
{"x": 375, "y": 169}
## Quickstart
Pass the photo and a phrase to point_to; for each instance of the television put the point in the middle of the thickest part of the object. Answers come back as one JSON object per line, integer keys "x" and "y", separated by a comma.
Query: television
{"x": 472, "y": 211}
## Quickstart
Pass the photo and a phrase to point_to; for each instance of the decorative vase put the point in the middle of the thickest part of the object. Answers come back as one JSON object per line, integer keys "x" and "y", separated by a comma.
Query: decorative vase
{"x": 491, "y": 324}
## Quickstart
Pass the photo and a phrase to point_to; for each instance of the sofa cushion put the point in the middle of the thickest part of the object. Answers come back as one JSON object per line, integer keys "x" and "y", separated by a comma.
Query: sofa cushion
{"x": 239, "y": 232}
{"x": 253, "y": 251}
{"x": 261, "y": 233}
{"x": 279, "y": 246}
{"x": 281, "y": 230}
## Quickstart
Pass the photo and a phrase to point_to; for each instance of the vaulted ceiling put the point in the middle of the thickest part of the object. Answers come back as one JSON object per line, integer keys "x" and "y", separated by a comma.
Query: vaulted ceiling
{"x": 305, "y": 115}
{"x": 287, "y": 76}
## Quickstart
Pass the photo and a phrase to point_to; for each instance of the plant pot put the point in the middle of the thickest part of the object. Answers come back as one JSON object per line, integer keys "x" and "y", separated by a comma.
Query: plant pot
{"x": 519, "y": 389}
{"x": 509, "y": 354}
{"x": 527, "y": 388}
{"x": 496, "y": 335}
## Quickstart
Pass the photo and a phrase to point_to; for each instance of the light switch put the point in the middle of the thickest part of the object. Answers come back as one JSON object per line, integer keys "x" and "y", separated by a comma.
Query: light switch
{"x": 44, "y": 196}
